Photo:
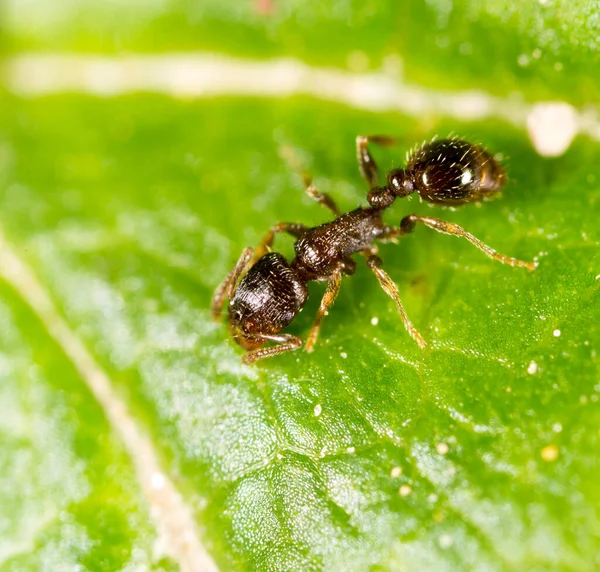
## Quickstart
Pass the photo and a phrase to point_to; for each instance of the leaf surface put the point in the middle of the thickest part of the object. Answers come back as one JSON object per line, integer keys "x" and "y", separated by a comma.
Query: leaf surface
{"x": 542, "y": 50}
{"x": 478, "y": 451}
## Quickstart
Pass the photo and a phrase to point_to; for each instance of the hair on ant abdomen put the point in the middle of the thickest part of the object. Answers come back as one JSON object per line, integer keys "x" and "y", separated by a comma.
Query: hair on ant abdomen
{"x": 266, "y": 292}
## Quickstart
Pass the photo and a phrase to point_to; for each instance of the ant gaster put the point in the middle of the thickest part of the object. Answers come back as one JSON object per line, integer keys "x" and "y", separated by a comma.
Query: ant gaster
{"x": 272, "y": 291}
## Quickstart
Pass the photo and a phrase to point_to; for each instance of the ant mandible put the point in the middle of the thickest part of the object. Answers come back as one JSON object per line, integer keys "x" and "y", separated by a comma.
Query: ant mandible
{"x": 272, "y": 292}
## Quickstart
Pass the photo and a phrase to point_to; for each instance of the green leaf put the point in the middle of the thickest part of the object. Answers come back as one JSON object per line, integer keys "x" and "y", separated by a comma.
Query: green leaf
{"x": 68, "y": 496}
{"x": 480, "y": 451}
{"x": 544, "y": 49}
{"x": 119, "y": 216}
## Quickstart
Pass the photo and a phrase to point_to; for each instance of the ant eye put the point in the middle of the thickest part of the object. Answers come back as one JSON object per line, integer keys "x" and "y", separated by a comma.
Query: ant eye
{"x": 235, "y": 316}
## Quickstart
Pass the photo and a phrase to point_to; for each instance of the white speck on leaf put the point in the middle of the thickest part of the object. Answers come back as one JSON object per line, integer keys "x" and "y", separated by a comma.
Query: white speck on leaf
{"x": 552, "y": 126}
{"x": 549, "y": 453}
{"x": 158, "y": 481}
{"x": 442, "y": 448}
{"x": 405, "y": 490}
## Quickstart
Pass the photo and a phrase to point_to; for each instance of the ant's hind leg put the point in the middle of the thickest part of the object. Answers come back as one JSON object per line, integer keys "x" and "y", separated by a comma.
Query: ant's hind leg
{"x": 390, "y": 288}
{"x": 391, "y": 233}
{"x": 333, "y": 287}
{"x": 322, "y": 198}
{"x": 226, "y": 288}
{"x": 408, "y": 225}
{"x": 366, "y": 163}
{"x": 287, "y": 343}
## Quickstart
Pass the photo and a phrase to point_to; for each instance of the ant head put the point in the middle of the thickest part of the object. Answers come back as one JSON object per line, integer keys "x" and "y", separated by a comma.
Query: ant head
{"x": 244, "y": 329}
{"x": 400, "y": 182}
{"x": 265, "y": 301}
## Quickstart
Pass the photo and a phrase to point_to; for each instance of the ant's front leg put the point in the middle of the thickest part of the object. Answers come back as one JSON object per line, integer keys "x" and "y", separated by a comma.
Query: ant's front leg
{"x": 408, "y": 225}
{"x": 333, "y": 287}
{"x": 296, "y": 230}
{"x": 225, "y": 290}
{"x": 366, "y": 163}
{"x": 287, "y": 343}
{"x": 347, "y": 266}
{"x": 390, "y": 288}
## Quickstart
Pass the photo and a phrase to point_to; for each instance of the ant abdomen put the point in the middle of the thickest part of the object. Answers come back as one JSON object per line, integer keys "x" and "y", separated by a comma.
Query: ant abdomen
{"x": 453, "y": 172}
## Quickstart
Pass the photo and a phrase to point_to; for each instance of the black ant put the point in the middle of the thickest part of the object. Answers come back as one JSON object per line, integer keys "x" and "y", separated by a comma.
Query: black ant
{"x": 272, "y": 292}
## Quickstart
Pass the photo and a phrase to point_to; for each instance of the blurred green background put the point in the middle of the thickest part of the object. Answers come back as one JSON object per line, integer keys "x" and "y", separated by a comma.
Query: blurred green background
{"x": 144, "y": 144}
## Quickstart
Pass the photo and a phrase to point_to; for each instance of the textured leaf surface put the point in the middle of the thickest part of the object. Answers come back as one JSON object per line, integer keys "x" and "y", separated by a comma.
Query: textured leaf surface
{"x": 479, "y": 451}
{"x": 68, "y": 498}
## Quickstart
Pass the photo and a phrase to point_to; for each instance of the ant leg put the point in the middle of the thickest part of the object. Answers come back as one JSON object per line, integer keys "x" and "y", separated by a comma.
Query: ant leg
{"x": 333, "y": 287}
{"x": 287, "y": 342}
{"x": 294, "y": 161}
{"x": 322, "y": 198}
{"x": 408, "y": 224}
{"x": 391, "y": 233}
{"x": 390, "y": 288}
{"x": 226, "y": 288}
{"x": 366, "y": 163}
{"x": 296, "y": 230}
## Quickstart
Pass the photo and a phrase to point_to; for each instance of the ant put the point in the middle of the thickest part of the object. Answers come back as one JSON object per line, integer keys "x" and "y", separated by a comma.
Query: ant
{"x": 272, "y": 291}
